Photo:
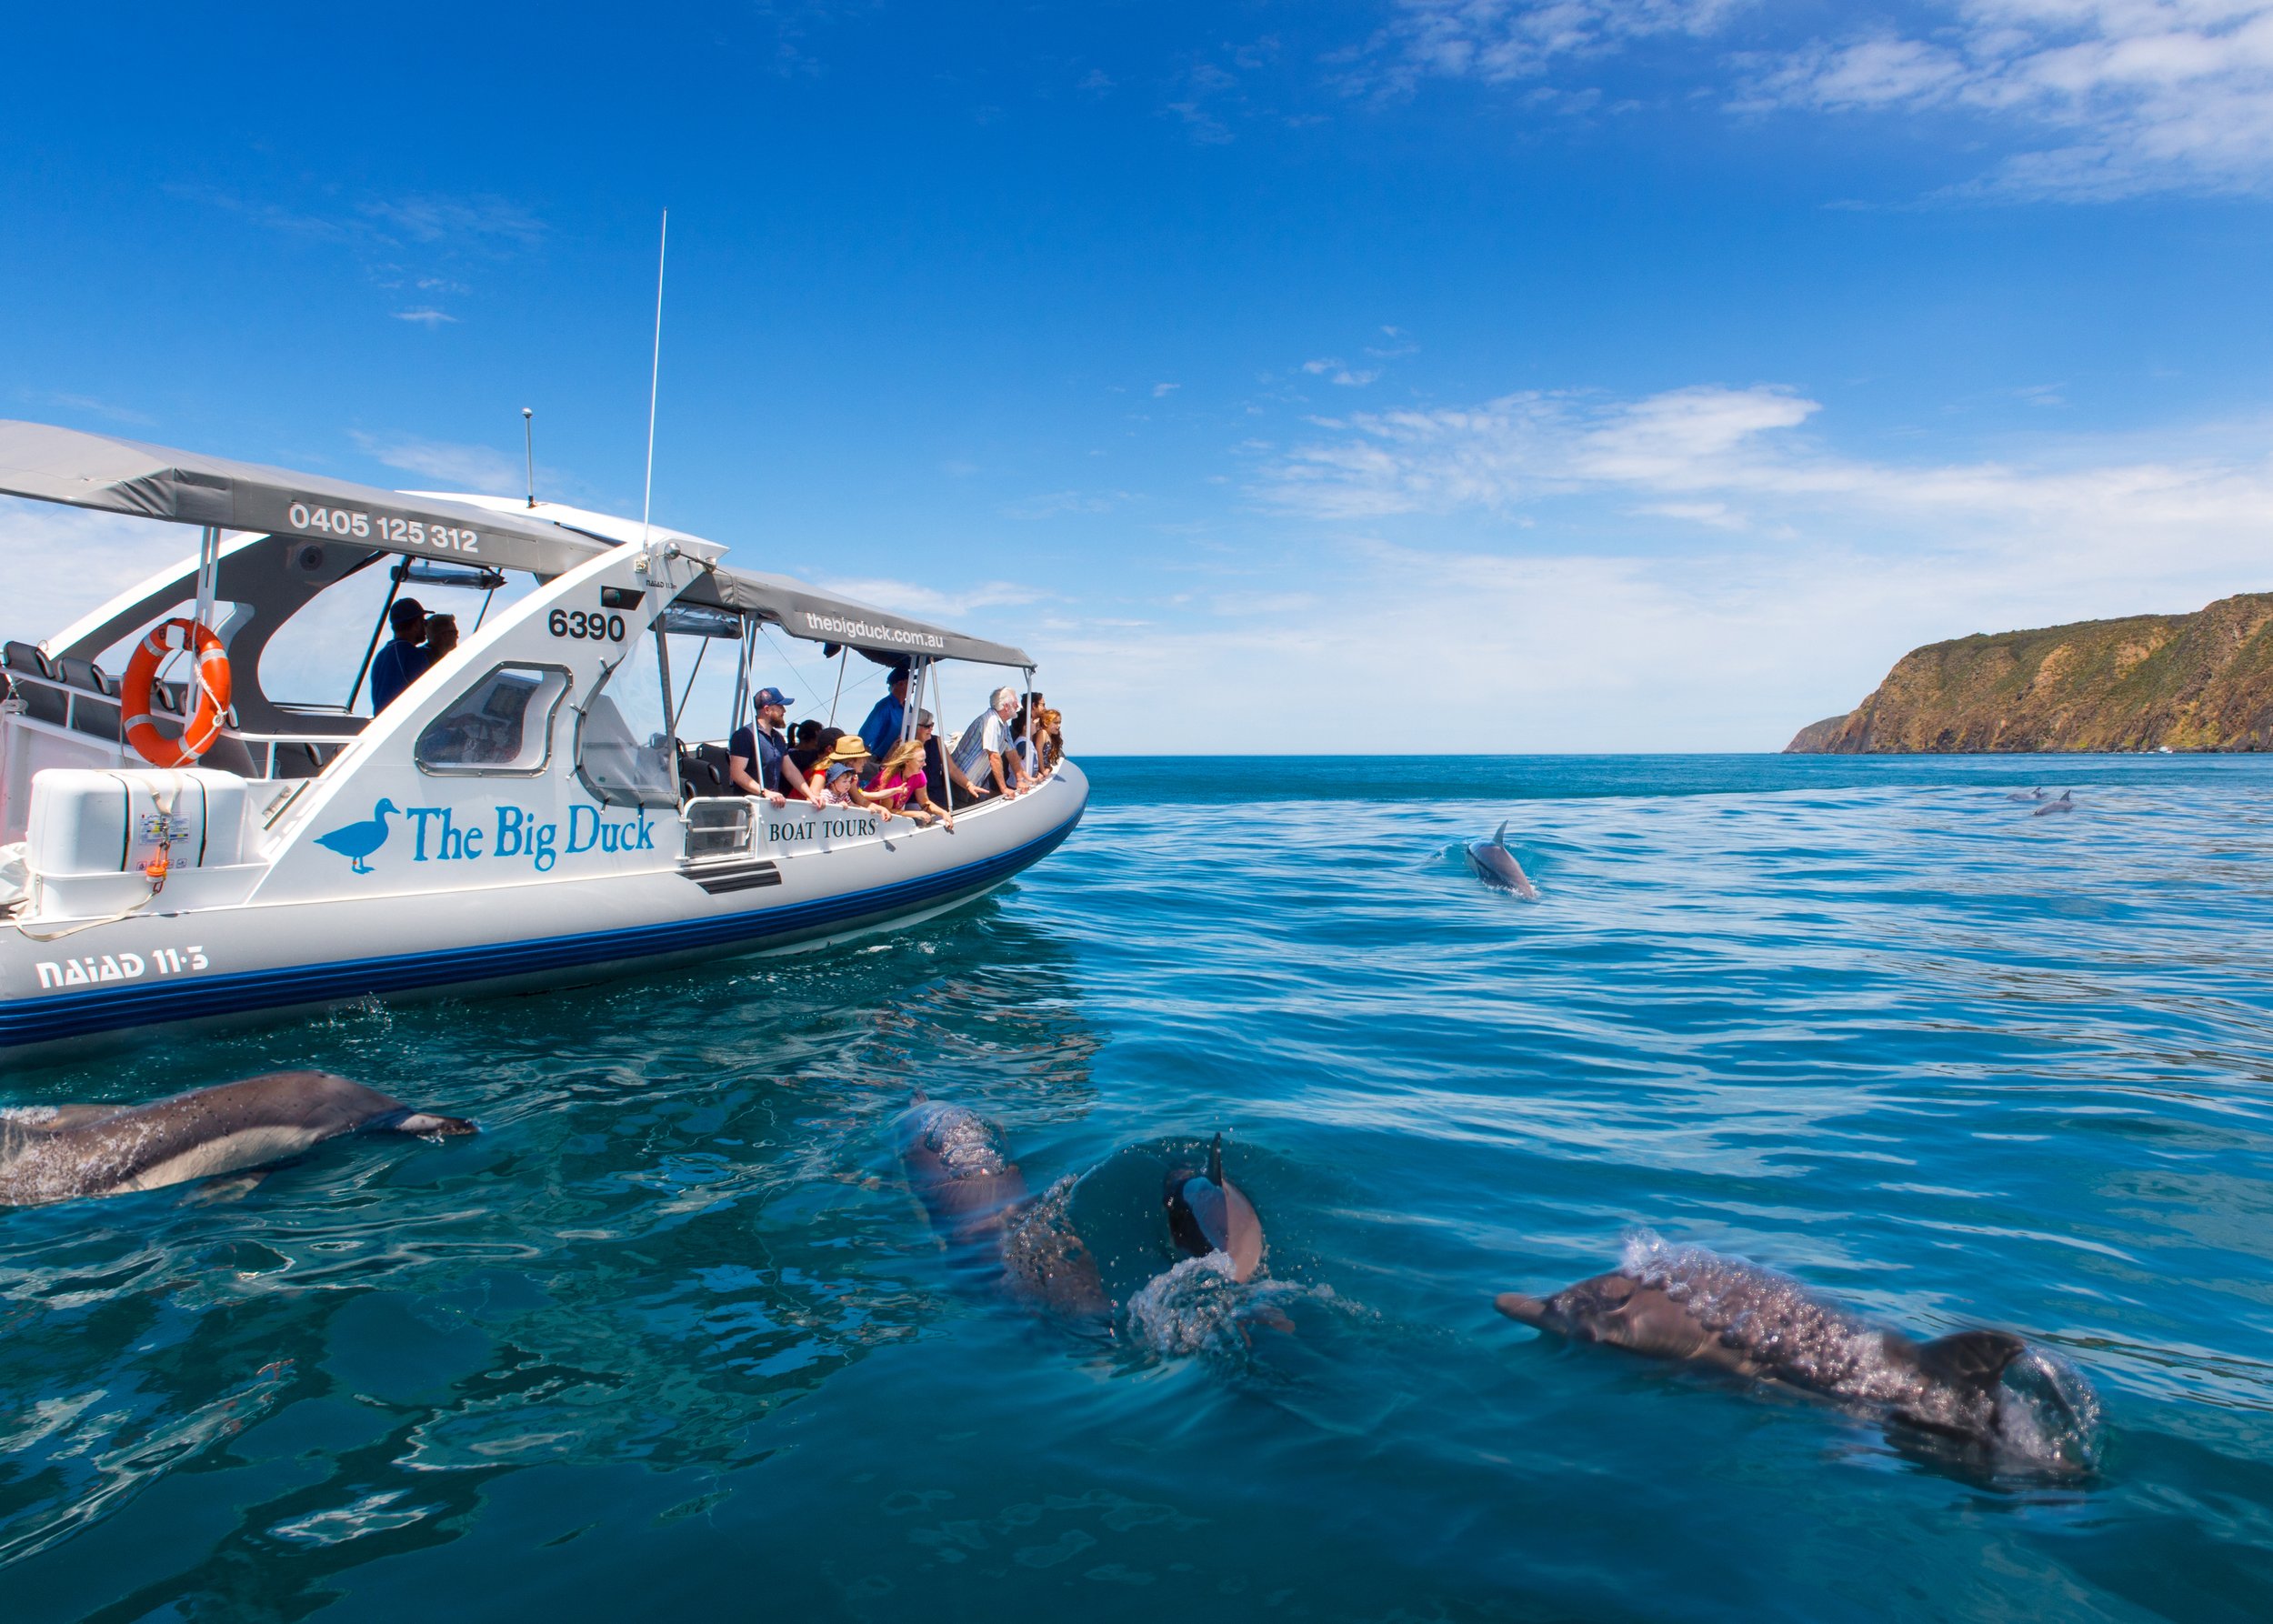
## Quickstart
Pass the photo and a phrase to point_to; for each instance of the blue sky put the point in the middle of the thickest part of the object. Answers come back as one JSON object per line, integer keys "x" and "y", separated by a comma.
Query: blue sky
{"x": 1587, "y": 375}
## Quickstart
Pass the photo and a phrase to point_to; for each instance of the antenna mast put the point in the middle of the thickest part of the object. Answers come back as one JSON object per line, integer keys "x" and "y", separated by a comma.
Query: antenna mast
{"x": 655, "y": 376}
{"x": 528, "y": 436}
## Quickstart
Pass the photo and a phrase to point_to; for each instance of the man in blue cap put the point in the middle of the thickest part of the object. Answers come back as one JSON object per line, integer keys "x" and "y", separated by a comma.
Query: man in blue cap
{"x": 764, "y": 748}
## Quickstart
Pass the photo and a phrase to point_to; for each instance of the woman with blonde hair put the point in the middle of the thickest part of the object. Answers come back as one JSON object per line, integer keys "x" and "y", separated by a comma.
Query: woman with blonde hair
{"x": 902, "y": 785}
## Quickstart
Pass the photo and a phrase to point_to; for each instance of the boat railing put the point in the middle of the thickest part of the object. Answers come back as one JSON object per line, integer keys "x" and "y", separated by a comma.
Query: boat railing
{"x": 78, "y": 697}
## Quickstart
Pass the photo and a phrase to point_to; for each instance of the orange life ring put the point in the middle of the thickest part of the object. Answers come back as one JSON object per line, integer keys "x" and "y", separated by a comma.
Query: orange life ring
{"x": 203, "y": 726}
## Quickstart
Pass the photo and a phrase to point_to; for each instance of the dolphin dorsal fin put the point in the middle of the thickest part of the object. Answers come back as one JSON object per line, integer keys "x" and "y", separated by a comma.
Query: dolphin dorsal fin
{"x": 1972, "y": 1360}
{"x": 1500, "y": 839}
{"x": 1215, "y": 1162}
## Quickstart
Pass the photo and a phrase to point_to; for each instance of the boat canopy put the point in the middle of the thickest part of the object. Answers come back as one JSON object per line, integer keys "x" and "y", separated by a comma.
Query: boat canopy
{"x": 109, "y": 475}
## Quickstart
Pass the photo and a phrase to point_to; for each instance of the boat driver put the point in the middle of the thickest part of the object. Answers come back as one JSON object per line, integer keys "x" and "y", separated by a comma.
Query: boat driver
{"x": 402, "y": 661}
{"x": 765, "y": 746}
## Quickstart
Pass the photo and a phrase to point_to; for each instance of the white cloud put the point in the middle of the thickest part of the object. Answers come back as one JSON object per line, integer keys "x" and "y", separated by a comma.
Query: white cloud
{"x": 425, "y": 316}
{"x": 931, "y": 602}
{"x": 2145, "y": 94}
{"x": 2104, "y": 98}
{"x": 477, "y": 469}
{"x": 1501, "y": 40}
{"x": 1162, "y": 391}
{"x": 61, "y": 562}
{"x": 1711, "y": 572}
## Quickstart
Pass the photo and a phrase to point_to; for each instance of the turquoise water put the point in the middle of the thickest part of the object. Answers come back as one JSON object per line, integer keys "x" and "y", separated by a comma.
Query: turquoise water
{"x": 671, "y": 1337}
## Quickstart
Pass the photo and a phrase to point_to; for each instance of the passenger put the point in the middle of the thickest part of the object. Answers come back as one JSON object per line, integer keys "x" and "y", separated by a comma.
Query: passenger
{"x": 765, "y": 748}
{"x": 402, "y": 661}
{"x": 983, "y": 757}
{"x": 882, "y": 730}
{"x": 904, "y": 785}
{"x": 939, "y": 768}
{"x": 441, "y": 638}
{"x": 1024, "y": 750}
{"x": 840, "y": 779}
{"x": 813, "y": 742}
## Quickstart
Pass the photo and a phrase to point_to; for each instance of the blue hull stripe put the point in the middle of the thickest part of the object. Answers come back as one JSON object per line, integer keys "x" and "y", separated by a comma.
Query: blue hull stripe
{"x": 47, "y": 1020}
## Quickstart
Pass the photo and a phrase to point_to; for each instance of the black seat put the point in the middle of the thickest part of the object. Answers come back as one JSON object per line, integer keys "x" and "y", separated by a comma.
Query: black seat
{"x": 90, "y": 716}
{"x": 87, "y": 675}
{"x": 41, "y": 704}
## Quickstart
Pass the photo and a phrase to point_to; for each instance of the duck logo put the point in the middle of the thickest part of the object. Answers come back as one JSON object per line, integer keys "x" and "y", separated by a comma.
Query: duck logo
{"x": 357, "y": 841}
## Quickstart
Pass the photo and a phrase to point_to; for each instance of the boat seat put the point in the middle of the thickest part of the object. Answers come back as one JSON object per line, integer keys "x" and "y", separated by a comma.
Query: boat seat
{"x": 41, "y": 704}
{"x": 700, "y": 775}
{"x": 297, "y": 761}
{"x": 86, "y": 675}
{"x": 90, "y": 716}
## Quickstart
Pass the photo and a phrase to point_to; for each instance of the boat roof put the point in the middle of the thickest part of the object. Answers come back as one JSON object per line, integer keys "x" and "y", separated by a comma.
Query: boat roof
{"x": 110, "y": 474}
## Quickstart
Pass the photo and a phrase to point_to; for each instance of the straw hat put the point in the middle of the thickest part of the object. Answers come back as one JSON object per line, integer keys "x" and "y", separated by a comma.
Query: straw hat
{"x": 848, "y": 749}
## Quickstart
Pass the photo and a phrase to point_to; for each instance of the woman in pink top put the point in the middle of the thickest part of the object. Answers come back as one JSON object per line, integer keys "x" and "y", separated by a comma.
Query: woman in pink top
{"x": 902, "y": 785}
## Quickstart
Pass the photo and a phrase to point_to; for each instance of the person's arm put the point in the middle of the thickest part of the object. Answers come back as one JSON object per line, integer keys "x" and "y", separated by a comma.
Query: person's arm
{"x": 738, "y": 776}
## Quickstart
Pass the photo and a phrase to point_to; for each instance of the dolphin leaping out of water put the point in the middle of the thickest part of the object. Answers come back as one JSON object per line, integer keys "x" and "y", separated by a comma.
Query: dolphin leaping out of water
{"x": 1498, "y": 865}
{"x": 60, "y": 1153}
{"x": 1688, "y": 1304}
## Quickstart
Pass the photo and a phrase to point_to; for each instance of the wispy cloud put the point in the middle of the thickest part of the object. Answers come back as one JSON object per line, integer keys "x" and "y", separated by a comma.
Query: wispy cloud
{"x": 1058, "y": 503}
{"x": 932, "y": 603}
{"x": 421, "y": 243}
{"x": 478, "y": 468}
{"x": 2148, "y": 95}
{"x": 2098, "y": 98}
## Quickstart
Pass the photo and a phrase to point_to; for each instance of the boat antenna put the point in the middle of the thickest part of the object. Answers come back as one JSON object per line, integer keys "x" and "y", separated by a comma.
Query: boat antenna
{"x": 655, "y": 376}
{"x": 528, "y": 440}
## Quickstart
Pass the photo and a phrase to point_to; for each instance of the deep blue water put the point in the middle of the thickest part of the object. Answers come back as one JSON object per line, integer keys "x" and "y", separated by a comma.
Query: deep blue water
{"x": 672, "y": 1338}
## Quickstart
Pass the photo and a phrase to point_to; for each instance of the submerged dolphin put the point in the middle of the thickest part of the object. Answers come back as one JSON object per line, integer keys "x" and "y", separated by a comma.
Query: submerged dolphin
{"x": 1498, "y": 865}
{"x": 977, "y": 1198}
{"x": 2066, "y": 803}
{"x": 1208, "y": 1213}
{"x": 2026, "y": 795}
{"x": 1688, "y": 1304}
{"x": 59, "y": 1153}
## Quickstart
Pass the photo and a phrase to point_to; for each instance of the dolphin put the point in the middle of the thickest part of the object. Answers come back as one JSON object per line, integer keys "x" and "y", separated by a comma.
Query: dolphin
{"x": 1498, "y": 865}
{"x": 977, "y": 1200}
{"x": 60, "y": 1153}
{"x": 1208, "y": 1213}
{"x": 2066, "y": 803}
{"x": 961, "y": 1173}
{"x": 2026, "y": 795}
{"x": 1693, "y": 1306}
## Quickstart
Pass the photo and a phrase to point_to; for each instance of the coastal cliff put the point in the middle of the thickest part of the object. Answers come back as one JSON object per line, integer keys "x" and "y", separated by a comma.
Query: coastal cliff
{"x": 2202, "y": 681}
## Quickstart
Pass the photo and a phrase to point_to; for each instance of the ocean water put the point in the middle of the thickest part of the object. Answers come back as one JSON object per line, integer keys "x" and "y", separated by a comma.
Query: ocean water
{"x": 672, "y": 1338}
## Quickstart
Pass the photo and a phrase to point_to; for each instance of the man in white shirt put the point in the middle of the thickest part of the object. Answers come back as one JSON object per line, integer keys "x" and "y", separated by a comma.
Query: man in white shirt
{"x": 983, "y": 754}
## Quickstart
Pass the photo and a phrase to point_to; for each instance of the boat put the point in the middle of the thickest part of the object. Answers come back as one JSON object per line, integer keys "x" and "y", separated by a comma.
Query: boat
{"x": 527, "y": 814}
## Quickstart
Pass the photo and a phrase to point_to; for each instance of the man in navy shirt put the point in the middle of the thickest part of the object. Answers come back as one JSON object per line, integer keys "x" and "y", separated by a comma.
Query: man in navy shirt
{"x": 402, "y": 661}
{"x": 765, "y": 748}
{"x": 881, "y": 731}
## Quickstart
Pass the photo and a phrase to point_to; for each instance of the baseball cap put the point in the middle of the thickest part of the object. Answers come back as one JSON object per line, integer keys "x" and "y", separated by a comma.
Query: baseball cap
{"x": 765, "y": 697}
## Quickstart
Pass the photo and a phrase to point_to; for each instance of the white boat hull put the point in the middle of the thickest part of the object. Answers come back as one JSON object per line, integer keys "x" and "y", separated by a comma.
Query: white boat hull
{"x": 279, "y": 959}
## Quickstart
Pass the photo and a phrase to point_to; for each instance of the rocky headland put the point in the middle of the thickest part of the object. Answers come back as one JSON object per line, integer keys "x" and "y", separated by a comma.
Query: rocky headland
{"x": 2202, "y": 681}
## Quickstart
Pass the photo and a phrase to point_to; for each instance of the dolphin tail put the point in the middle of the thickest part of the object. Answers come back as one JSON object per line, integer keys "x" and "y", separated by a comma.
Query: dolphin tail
{"x": 1215, "y": 1162}
{"x": 1529, "y": 1310}
{"x": 1500, "y": 839}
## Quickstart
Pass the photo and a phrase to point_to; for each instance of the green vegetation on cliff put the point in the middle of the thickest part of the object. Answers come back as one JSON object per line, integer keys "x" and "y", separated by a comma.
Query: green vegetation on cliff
{"x": 2191, "y": 682}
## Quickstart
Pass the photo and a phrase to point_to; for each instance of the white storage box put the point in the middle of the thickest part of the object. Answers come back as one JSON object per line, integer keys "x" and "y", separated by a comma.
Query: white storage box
{"x": 85, "y": 823}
